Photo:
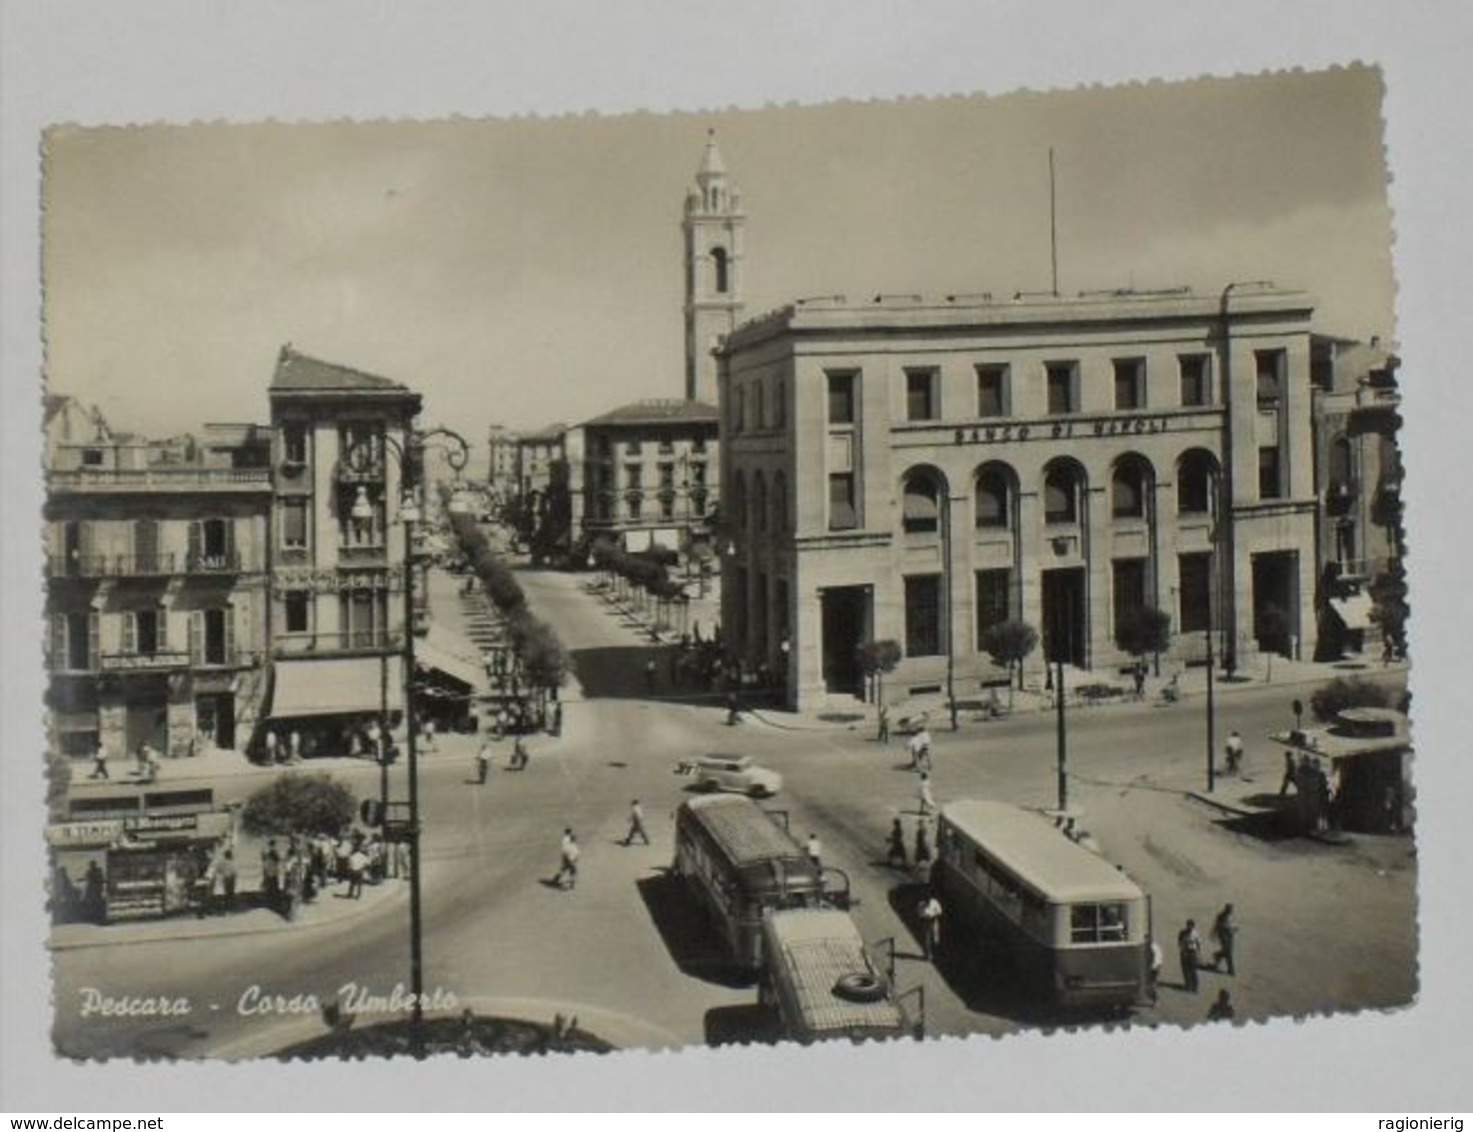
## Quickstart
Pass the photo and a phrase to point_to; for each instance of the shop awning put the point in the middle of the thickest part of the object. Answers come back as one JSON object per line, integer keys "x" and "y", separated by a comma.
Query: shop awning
{"x": 1354, "y": 611}
{"x": 447, "y": 653}
{"x": 336, "y": 686}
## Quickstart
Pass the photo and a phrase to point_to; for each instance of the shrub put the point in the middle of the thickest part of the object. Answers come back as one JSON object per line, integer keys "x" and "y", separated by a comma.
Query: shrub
{"x": 1329, "y": 701}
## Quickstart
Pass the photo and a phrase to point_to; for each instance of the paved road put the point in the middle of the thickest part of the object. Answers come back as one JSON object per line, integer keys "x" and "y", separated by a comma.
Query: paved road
{"x": 1323, "y": 927}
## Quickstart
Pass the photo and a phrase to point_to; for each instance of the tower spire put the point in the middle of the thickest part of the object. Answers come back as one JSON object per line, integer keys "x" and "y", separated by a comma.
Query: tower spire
{"x": 713, "y": 228}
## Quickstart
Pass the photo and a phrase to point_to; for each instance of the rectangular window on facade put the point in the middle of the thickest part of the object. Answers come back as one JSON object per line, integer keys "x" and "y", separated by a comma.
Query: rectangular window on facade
{"x": 843, "y": 505}
{"x": 667, "y": 507}
{"x": 297, "y": 606}
{"x": 842, "y": 389}
{"x": 634, "y": 477}
{"x": 992, "y": 391}
{"x": 994, "y": 605}
{"x": 698, "y": 474}
{"x": 77, "y": 642}
{"x": 1195, "y": 389}
{"x": 922, "y": 395}
{"x": 1063, "y": 392}
{"x": 144, "y": 632}
{"x": 667, "y": 476}
{"x": 636, "y": 507}
{"x": 1269, "y": 474}
{"x": 1270, "y": 365}
{"x": 666, "y": 445}
{"x": 294, "y": 523}
{"x": 780, "y": 405}
{"x": 1130, "y": 384}
{"x": 1194, "y": 572}
{"x": 294, "y": 444}
{"x": 1130, "y": 588}
{"x": 923, "y": 615}
{"x": 632, "y": 447}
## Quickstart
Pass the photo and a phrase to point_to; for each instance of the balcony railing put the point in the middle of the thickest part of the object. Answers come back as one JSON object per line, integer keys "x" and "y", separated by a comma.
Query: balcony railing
{"x": 363, "y": 554}
{"x": 306, "y": 644}
{"x": 112, "y": 565}
{"x": 161, "y": 478}
{"x": 162, "y": 660}
{"x": 360, "y": 471}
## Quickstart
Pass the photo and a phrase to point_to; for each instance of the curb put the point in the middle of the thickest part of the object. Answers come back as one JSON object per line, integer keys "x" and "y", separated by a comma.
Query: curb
{"x": 349, "y": 916}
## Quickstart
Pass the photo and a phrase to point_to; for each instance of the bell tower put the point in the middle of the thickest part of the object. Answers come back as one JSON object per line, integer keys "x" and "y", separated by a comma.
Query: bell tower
{"x": 713, "y": 227}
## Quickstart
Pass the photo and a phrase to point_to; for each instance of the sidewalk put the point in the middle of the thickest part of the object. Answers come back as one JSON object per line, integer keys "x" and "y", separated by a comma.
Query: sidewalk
{"x": 328, "y": 908}
{"x": 1033, "y": 699}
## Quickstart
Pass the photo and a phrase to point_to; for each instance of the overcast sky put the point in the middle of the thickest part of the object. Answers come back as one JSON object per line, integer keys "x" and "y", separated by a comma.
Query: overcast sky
{"x": 528, "y": 271}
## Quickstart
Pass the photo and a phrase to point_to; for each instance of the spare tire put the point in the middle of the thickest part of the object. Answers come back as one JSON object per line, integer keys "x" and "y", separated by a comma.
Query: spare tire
{"x": 861, "y": 986}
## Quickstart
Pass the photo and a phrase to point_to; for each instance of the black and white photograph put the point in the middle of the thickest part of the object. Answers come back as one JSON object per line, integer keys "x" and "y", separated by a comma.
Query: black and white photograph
{"x": 793, "y": 576}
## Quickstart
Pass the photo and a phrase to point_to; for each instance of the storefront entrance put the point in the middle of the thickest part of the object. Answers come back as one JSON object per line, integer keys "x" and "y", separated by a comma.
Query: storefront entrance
{"x": 1276, "y": 601}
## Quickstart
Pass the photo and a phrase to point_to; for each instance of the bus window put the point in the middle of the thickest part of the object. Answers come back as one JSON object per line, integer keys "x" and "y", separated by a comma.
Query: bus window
{"x": 1097, "y": 923}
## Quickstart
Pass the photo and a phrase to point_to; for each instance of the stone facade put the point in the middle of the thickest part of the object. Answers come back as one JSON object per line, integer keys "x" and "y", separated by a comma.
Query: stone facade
{"x": 156, "y": 588}
{"x": 919, "y": 471}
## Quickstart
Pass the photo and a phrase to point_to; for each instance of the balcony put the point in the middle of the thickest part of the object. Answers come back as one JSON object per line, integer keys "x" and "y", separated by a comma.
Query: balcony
{"x": 360, "y": 641}
{"x": 162, "y": 660}
{"x": 363, "y": 554}
{"x": 159, "y": 479}
{"x": 112, "y": 566}
{"x": 367, "y": 470}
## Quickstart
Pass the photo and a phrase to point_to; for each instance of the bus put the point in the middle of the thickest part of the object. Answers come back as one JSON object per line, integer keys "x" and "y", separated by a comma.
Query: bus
{"x": 1021, "y": 896}
{"x": 820, "y": 982}
{"x": 739, "y": 862}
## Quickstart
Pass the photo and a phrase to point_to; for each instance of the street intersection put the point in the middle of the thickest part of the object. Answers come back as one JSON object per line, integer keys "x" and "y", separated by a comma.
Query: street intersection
{"x": 1324, "y": 927}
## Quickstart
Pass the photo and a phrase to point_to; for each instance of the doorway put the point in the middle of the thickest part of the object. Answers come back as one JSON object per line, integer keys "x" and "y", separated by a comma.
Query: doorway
{"x": 1064, "y": 616}
{"x": 214, "y": 717}
{"x": 845, "y": 624}
{"x": 1275, "y": 601}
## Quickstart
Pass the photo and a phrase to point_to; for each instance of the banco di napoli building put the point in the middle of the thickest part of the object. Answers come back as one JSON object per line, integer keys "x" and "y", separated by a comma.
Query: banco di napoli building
{"x": 919, "y": 471}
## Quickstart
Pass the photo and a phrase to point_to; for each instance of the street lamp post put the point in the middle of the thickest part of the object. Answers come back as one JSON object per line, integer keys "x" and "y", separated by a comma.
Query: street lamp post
{"x": 410, "y": 457}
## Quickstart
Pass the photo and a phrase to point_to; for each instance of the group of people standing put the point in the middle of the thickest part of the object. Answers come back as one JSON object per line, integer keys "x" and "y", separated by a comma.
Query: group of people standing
{"x": 1191, "y": 949}
{"x": 307, "y": 865}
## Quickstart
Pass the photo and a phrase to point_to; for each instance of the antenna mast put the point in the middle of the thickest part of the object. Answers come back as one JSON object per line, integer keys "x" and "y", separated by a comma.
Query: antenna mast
{"x": 1053, "y": 229}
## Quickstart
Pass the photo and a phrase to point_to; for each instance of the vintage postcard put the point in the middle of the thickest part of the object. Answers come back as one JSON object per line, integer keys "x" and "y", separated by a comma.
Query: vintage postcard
{"x": 845, "y": 572}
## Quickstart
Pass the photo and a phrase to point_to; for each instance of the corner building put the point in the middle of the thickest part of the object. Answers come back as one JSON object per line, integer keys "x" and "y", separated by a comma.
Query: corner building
{"x": 920, "y": 471}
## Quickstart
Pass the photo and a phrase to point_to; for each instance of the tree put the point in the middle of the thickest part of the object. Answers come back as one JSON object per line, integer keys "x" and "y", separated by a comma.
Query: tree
{"x": 1144, "y": 629}
{"x": 1009, "y": 643}
{"x": 299, "y": 804}
{"x": 877, "y": 658}
{"x": 1330, "y": 700}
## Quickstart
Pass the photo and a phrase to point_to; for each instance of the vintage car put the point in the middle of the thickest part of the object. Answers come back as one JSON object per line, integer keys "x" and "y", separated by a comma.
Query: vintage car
{"x": 736, "y": 774}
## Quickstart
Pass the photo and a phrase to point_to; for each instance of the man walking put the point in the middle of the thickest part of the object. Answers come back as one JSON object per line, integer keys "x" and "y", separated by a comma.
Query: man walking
{"x": 814, "y": 849}
{"x": 883, "y": 736}
{"x": 927, "y": 798}
{"x": 895, "y": 846}
{"x": 567, "y": 874}
{"x": 636, "y": 824}
{"x": 1189, "y": 950}
{"x": 483, "y": 761}
{"x": 1224, "y": 931}
{"x": 1233, "y": 750}
{"x": 923, "y": 847}
{"x": 930, "y": 914}
{"x": 99, "y": 763}
{"x": 920, "y": 750}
